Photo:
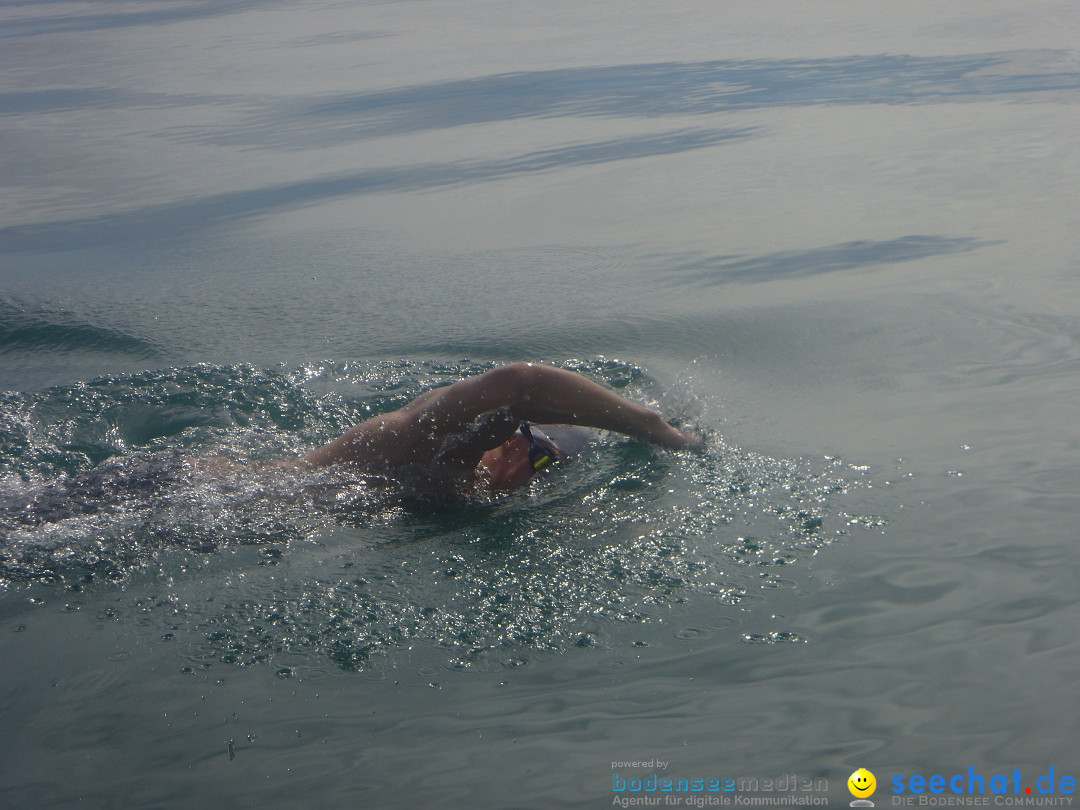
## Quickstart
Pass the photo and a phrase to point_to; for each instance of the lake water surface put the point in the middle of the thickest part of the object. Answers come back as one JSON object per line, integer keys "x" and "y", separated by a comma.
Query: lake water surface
{"x": 843, "y": 238}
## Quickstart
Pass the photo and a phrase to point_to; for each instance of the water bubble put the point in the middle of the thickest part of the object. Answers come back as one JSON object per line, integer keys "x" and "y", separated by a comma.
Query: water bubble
{"x": 691, "y": 633}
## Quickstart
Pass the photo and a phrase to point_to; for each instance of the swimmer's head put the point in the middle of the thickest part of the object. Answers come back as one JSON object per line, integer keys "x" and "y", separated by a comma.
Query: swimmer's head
{"x": 532, "y": 450}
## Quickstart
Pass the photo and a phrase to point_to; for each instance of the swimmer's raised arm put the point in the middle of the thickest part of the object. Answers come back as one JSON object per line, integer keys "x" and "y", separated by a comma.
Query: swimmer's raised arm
{"x": 484, "y": 411}
{"x": 538, "y": 393}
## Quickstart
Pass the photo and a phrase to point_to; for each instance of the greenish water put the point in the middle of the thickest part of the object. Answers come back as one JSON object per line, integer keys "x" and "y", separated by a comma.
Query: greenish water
{"x": 841, "y": 239}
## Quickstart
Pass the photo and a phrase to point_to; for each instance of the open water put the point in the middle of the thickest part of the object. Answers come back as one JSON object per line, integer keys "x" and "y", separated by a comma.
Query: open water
{"x": 841, "y": 237}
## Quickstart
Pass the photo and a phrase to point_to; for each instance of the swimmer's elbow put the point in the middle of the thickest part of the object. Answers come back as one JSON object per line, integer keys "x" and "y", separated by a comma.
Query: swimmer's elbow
{"x": 518, "y": 382}
{"x": 519, "y": 372}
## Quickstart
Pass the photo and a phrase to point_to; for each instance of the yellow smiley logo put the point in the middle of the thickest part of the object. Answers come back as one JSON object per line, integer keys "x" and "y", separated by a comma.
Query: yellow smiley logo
{"x": 861, "y": 783}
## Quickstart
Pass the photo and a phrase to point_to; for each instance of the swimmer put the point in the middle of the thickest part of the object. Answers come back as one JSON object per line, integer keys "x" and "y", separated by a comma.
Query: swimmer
{"x": 490, "y": 428}
{"x": 498, "y": 429}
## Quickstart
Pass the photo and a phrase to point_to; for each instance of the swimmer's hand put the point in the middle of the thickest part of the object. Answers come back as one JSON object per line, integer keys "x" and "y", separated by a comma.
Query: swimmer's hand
{"x": 695, "y": 437}
{"x": 665, "y": 435}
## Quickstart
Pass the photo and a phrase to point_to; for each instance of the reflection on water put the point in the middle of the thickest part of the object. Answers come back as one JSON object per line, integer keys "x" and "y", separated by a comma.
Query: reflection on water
{"x": 184, "y": 218}
{"x": 672, "y": 88}
{"x": 35, "y": 19}
{"x": 834, "y": 258}
{"x": 634, "y": 92}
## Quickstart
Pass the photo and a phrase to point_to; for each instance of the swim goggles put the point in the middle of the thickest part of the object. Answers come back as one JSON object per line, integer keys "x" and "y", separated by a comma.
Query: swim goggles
{"x": 543, "y": 452}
